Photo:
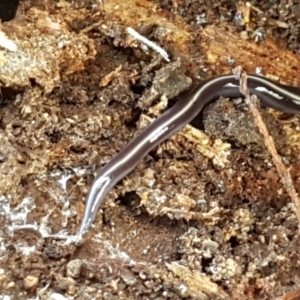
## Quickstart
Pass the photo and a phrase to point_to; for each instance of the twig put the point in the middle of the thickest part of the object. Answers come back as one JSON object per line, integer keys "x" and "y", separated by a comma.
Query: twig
{"x": 149, "y": 43}
{"x": 284, "y": 174}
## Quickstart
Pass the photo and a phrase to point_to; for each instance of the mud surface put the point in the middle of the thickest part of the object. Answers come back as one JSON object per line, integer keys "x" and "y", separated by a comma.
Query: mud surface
{"x": 204, "y": 215}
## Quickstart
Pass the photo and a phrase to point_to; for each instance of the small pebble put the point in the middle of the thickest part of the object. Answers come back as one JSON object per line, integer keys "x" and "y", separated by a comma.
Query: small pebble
{"x": 73, "y": 268}
{"x": 30, "y": 282}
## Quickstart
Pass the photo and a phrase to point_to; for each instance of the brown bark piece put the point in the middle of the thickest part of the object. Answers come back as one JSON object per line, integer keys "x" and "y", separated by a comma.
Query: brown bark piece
{"x": 133, "y": 13}
{"x": 221, "y": 44}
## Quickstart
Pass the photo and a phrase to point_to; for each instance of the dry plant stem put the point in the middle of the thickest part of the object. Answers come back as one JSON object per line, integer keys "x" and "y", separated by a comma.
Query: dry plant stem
{"x": 284, "y": 174}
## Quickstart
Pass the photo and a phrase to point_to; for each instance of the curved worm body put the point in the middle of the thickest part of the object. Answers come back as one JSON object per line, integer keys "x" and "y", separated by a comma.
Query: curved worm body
{"x": 190, "y": 104}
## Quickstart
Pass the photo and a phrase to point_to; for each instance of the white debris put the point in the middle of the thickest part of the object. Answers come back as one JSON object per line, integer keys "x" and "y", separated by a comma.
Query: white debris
{"x": 149, "y": 43}
{"x": 56, "y": 296}
{"x": 7, "y": 43}
{"x": 19, "y": 215}
{"x": 63, "y": 181}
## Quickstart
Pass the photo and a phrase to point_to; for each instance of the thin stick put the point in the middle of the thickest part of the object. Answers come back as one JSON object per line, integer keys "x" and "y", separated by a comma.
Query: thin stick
{"x": 149, "y": 43}
{"x": 284, "y": 174}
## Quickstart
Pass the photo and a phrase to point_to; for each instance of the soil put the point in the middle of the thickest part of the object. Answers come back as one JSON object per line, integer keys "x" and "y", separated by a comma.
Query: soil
{"x": 205, "y": 214}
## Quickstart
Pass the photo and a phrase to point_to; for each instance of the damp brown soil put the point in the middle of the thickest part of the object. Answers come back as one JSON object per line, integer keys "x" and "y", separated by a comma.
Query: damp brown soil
{"x": 204, "y": 215}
